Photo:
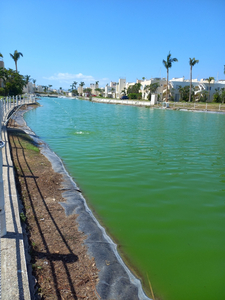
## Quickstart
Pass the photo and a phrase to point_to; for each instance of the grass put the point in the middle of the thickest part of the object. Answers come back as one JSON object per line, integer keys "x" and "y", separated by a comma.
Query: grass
{"x": 26, "y": 142}
{"x": 22, "y": 217}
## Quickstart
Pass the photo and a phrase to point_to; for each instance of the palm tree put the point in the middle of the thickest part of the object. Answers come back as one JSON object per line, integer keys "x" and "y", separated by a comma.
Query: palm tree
{"x": 1, "y": 55}
{"x": 168, "y": 64}
{"x": 152, "y": 88}
{"x": 192, "y": 62}
{"x": 15, "y": 57}
{"x": 209, "y": 80}
{"x": 34, "y": 81}
{"x": 124, "y": 91}
{"x": 112, "y": 91}
{"x": 82, "y": 84}
{"x": 27, "y": 79}
{"x": 74, "y": 85}
{"x": 96, "y": 83}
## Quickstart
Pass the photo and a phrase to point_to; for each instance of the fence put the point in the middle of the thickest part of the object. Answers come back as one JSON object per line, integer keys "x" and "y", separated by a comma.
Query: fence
{"x": 8, "y": 106}
{"x": 196, "y": 106}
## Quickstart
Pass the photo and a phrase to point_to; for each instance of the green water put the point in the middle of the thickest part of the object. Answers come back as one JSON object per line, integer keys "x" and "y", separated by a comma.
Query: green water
{"x": 156, "y": 178}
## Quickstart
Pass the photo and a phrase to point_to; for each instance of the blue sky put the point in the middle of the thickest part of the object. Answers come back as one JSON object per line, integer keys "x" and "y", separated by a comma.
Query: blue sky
{"x": 88, "y": 40}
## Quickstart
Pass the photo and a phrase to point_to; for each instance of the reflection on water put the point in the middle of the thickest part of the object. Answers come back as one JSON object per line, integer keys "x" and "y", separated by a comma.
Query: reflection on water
{"x": 156, "y": 178}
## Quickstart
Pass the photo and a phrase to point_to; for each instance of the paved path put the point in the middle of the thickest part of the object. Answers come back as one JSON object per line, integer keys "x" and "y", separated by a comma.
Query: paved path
{"x": 14, "y": 278}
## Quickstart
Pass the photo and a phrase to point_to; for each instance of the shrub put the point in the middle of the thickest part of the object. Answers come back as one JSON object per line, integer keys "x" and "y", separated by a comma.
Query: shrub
{"x": 2, "y": 91}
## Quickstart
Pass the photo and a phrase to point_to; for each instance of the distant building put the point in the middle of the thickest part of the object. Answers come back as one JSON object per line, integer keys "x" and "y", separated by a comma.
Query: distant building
{"x": 39, "y": 89}
{"x": 29, "y": 88}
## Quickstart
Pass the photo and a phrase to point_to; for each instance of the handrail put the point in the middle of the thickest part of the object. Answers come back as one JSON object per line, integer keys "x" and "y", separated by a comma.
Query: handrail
{"x": 7, "y": 105}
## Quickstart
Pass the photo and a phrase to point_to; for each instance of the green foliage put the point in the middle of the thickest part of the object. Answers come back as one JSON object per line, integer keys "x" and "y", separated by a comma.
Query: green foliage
{"x": 152, "y": 88}
{"x": 134, "y": 88}
{"x": 193, "y": 61}
{"x": 135, "y": 96}
{"x": 15, "y": 56}
{"x": 168, "y": 62}
{"x": 2, "y": 92}
{"x": 184, "y": 93}
{"x": 22, "y": 217}
{"x": 13, "y": 82}
{"x": 217, "y": 98}
{"x": 223, "y": 95}
{"x": 203, "y": 96}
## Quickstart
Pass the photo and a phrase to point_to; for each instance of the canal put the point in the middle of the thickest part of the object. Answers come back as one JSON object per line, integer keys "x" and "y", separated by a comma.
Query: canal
{"x": 156, "y": 180}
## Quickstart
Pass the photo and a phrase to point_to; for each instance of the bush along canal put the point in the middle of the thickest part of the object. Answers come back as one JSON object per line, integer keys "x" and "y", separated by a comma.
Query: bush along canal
{"x": 156, "y": 181}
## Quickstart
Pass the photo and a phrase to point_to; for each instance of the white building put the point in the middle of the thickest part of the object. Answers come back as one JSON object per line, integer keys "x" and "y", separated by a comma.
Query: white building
{"x": 199, "y": 86}
{"x": 29, "y": 88}
{"x": 39, "y": 89}
{"x": 159, "y": 92}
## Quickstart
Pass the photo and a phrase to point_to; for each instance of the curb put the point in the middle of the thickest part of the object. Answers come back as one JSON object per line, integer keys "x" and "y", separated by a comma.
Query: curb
{"x": 14, "y": 277}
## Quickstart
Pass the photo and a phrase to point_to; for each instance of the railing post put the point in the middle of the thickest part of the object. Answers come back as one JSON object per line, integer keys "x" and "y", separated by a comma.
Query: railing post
{"x": 2, "y": 200}
{"x": 20, "y": 99}
{"x": 16, "y": 100}
{"x": 5, "y": 103}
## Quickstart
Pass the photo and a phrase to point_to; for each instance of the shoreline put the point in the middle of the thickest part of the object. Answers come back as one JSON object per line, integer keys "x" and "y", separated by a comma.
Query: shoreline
{"x": 179, "y": 106}
{"x": 116, "y": 281}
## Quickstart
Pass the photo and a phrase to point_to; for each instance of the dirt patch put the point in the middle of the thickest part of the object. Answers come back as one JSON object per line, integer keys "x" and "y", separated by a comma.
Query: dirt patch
{"x": 60, "y": 263}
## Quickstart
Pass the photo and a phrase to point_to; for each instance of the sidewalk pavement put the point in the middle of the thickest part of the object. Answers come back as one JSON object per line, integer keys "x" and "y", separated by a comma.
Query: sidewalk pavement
{"x": 14, "y": 278}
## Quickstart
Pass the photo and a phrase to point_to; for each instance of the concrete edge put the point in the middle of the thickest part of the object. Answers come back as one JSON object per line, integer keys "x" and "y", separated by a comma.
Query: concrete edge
{"x": 14, "y": 276}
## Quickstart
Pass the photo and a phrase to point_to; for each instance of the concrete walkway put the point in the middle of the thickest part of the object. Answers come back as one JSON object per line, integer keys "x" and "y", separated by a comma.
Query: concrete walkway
{"x": 14, "y": 278}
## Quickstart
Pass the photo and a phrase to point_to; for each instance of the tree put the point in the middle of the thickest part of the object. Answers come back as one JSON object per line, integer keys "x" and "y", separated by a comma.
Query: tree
{"x": 1, "y": 55}
{"x": 113, "y": 90}
{"x": 143, "y": 78}
{"x": 217, "y": 97}
{"x": 124, "y": 91}
{"x": 98, "y": 90}
{"x": 223, "y": 95}
{"x": 96, "y": 83}
{"x": 82, "y": 84}
{"x": 203, "y": 96}
{"x": 209, "y": 80}
{"x": 45, "y": 88}
{"x": 168, "y": 64}
{"x": 74, "y": 85}
{"x": 184, "y": 92}
{"x": 134, "y": 88}
{"x": 192, "y": 62}
{"x": 88, "y": 91}
{"x": 15, "y": 57}
{"x": 27, "y": 79}
{"x": 34, "y": 81}
{"x": 152, "y": 88}
{"x": 13, "y": 82}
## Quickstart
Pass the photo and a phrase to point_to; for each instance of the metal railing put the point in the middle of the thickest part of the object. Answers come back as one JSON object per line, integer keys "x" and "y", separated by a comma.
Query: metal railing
{"x": 8, "y": 106}
{"x": 208, "y": 106}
